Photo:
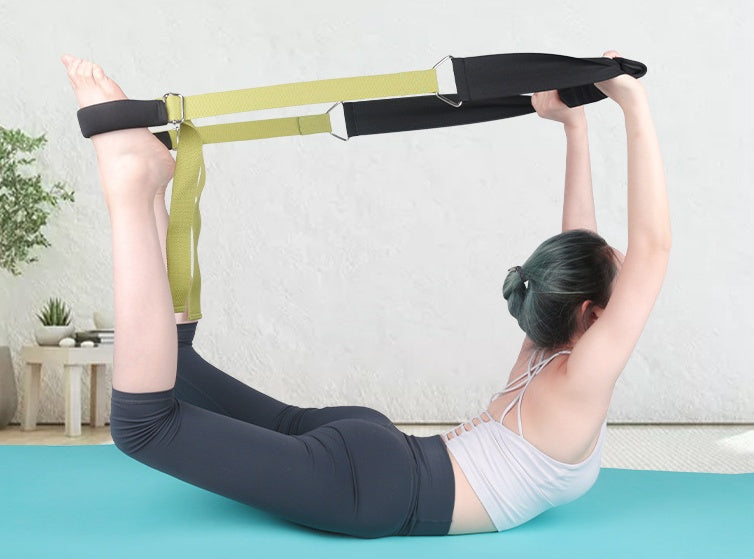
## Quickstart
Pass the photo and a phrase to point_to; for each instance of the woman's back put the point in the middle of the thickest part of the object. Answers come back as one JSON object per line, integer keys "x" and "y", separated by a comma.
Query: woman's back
{"x": 551, "y": 420}
{"x": 562, "y": 427}
{"x": 528, "y": 451}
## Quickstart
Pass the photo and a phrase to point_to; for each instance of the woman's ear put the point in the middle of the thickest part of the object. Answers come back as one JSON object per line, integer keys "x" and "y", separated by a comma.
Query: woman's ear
{"x": 590, "y": 312}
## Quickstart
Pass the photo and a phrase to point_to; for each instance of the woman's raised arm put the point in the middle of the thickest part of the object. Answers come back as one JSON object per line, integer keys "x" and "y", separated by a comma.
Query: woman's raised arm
{"x": 600, "y": 355}
{"x": 578, "y": 198}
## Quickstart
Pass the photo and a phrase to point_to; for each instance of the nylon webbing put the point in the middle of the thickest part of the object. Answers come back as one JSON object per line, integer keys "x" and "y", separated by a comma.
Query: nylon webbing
{"x": 191, "y": 166}
{"x": 304, "y": 93}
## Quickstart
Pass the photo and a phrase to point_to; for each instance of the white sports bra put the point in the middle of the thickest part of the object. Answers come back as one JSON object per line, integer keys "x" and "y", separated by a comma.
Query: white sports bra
{"x": 514, "y": 480}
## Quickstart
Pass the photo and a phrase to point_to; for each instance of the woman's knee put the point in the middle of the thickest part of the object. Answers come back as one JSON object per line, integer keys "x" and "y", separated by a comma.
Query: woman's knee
{"x": 138, "y": 420}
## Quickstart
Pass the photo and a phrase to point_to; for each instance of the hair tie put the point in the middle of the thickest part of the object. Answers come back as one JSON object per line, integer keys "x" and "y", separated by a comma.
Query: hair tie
{"x": 520, "y": 271}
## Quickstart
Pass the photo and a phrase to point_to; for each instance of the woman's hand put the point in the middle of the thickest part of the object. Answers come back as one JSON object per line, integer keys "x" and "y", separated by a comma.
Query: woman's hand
{"x": 622, "y": 89}
{"x": 548, "y": 105}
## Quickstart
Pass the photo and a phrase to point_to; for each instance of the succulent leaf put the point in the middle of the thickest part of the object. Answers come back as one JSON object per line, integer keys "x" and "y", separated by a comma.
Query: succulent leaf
{"x": 55, "y": 313}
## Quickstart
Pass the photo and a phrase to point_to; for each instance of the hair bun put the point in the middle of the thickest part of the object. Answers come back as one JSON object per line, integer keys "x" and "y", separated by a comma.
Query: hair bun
{"x": 514, "y": 290}
{"x": 520, "y": 271}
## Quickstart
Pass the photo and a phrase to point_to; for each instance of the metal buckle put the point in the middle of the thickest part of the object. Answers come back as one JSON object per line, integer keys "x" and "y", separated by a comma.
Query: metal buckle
{"x": 330, "y": 109}
{"x": 448, "y": 101}
{"x": 176, "y": 123}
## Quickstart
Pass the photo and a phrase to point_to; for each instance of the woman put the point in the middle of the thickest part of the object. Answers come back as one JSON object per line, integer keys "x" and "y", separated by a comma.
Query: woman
{"x": 347, "y": 469}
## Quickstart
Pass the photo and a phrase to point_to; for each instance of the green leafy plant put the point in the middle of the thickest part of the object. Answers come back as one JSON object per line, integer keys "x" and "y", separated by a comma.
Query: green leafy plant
{"x": 24, "y": 202}
{"x": 55, "y": 313}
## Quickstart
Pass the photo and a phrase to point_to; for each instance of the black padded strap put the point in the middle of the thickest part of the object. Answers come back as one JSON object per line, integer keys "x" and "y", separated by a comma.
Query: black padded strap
{"x": 500, "y": 75}
{"x": 419, "y": 113}
{"x": 121, "y": 114}
{"x": 164, "y": 137}
{"x": 488, "y": 88}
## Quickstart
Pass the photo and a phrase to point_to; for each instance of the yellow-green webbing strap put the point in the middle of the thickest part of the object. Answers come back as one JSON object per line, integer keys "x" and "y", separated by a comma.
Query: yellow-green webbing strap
{"x": 303, "y": 93}
{"x": 188, "y": 183}
{"x": 262, "y": 129}
{"x": 189, "y": 178}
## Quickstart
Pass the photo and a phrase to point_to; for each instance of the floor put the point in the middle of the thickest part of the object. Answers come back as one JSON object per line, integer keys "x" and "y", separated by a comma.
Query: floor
{"x": 684, "y": 448}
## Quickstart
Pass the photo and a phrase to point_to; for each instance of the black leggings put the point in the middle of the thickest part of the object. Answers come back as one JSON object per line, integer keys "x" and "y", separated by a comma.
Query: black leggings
{"x": 344, "y": 469}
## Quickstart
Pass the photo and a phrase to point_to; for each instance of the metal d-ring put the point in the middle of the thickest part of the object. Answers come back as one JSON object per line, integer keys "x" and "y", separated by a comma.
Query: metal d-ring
{"x": 448, "y": 101}
{"x": 331, "y": 132}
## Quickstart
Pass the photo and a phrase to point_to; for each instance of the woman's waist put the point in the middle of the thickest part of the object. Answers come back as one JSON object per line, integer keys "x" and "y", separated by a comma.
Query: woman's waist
{"x": 433, "y": 506}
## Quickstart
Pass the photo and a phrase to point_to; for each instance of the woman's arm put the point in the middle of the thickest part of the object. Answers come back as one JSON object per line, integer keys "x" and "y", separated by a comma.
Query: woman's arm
{"x": 648, "y": 213}
{"x": 578, "y": 199}
{"x": 602, "y": 352}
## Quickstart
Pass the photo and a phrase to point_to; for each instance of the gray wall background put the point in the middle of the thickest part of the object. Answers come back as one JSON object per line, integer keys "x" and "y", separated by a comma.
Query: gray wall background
{"x": 369, "y": 272}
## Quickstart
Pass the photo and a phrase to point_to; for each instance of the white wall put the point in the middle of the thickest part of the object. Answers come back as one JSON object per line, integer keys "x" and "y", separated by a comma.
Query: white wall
{"x": 369, "y": 272}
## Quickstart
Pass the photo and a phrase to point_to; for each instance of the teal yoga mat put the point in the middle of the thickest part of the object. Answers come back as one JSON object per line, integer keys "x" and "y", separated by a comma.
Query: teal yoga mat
{"x": 94, "y": 501}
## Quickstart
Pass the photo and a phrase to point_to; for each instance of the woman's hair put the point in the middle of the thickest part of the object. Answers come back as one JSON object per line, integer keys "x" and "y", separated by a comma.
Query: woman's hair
{"x": 562, "y": 273}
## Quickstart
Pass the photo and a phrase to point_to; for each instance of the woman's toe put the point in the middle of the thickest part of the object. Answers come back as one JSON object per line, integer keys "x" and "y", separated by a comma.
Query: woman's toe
{"x": 85, "y": 72}
{"x": 72, "y": 67}
{"x": 98, "y": 73}
{"x": 111, "y": 89}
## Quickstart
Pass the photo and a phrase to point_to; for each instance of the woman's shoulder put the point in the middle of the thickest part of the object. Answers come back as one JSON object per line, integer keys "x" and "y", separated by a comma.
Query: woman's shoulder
{"x": 601, "y": 353}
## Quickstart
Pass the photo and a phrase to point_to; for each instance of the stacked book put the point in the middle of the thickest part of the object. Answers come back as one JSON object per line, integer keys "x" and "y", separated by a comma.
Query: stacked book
{"x": 99, "y": 337}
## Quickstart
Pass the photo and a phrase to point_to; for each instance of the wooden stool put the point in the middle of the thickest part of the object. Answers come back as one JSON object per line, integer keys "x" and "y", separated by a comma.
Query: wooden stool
{"x": 73, "y": 360}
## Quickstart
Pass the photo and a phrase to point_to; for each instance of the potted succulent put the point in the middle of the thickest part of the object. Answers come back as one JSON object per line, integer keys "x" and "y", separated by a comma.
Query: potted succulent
{"x": 24, "y": 208}
{"x": 56, "y": 323}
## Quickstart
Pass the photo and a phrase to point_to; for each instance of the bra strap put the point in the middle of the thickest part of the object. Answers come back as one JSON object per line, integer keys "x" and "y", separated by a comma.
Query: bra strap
{"x": 530, "y": 375}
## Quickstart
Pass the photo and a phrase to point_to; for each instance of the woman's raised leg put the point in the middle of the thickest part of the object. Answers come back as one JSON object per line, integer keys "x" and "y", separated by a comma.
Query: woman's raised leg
{"x": 133, "y": 166}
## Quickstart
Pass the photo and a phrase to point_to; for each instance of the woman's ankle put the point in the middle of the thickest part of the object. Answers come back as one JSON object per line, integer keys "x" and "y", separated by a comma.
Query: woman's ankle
{"x": 182, "y": 318}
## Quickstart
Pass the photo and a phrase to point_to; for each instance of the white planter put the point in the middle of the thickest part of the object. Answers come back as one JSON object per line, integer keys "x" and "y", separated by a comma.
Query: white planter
{"x": 103, "y": 320}
{"x": 51, "y": 335}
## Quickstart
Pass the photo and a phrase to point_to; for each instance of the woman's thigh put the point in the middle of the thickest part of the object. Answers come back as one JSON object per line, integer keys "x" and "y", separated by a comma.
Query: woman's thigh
{"x": 348, "y": 476}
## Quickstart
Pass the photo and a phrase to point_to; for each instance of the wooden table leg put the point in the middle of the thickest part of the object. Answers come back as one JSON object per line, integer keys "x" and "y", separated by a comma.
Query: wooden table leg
{"x": 72, "y": 400}
{"x": 32, "y": 383}
{"x": 97, "y": 395}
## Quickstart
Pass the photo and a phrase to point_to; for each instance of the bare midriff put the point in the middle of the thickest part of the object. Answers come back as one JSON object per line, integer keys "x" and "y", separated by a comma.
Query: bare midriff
{"x": 469, "y": 515}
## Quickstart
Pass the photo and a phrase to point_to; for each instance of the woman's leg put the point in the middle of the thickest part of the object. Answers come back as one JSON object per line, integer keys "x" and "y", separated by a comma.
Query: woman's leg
{"x": 350, "y": 476}
{"x": 202, "y": 384}
{"x": 133, "y": 166}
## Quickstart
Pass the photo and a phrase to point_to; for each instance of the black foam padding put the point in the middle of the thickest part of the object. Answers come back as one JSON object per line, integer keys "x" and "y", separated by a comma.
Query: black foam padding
{"x": 419, "y": 113}
{"x": 500, "y": 75}
{"x": 490, "y": 88}
{"x": 120, "y": 115}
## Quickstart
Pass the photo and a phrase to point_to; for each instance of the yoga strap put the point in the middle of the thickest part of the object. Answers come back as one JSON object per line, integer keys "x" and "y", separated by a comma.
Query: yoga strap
{"x": 487, "y": 88}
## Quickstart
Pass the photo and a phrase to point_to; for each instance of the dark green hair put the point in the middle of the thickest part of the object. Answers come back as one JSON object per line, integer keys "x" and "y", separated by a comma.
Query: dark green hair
{"x": 545, "y": 294}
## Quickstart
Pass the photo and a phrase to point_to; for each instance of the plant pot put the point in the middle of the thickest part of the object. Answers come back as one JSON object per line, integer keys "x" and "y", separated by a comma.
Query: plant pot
{"x": 51, "y": 335}
{"x": 103, "y": 320}
{"x": 8, "y": 393}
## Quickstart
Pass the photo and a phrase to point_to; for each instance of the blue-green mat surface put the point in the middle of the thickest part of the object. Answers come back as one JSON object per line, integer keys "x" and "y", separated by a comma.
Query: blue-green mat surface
{"x": 93, "y": 501}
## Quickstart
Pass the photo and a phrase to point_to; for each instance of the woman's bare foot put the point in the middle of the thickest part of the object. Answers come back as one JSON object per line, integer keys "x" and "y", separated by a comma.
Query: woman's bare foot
{"x": 132, "y": 163}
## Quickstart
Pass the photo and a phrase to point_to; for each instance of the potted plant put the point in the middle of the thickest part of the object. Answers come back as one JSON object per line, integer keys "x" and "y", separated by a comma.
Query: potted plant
{"x": 56, "y": 323}
{"x": 24, "y": 209}
{"x": 23, "y": 200}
